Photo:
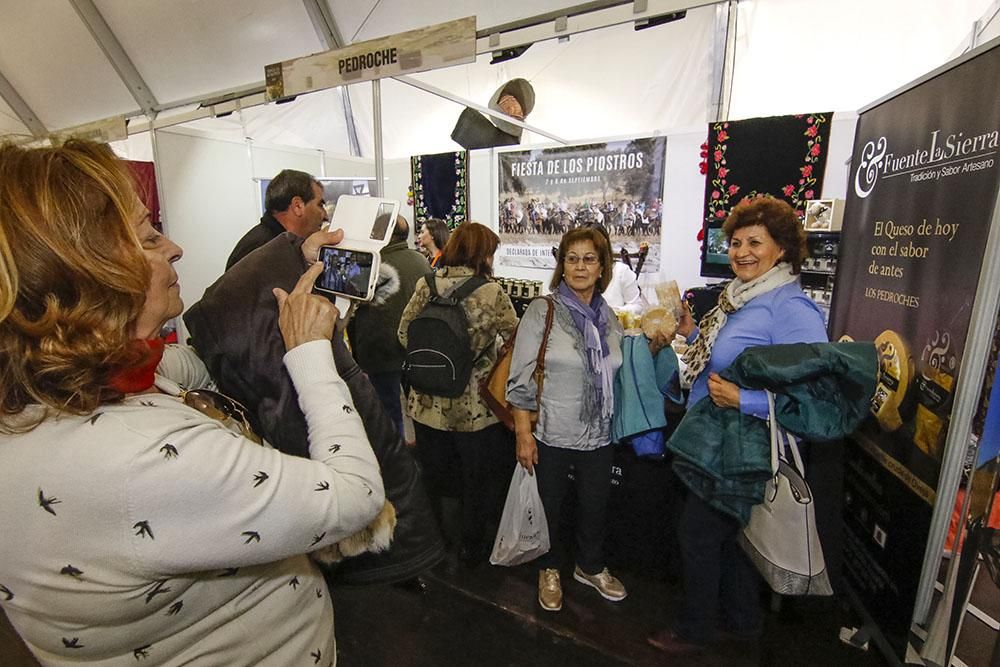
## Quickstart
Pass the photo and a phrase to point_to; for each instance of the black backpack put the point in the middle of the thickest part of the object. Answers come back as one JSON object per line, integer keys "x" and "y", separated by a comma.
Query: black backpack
{"x": 439, "y": 354}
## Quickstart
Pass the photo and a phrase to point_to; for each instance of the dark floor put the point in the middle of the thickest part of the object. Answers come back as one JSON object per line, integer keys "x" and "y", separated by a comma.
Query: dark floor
{"x": 488, "y": 616}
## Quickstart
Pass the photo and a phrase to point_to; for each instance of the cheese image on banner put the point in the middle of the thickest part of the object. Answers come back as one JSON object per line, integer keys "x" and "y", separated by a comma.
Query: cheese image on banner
{"x": 895, "y": 370}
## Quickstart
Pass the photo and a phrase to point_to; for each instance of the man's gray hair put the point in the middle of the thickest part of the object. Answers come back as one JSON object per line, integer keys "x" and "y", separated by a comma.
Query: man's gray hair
{"x": 401, "y": 231}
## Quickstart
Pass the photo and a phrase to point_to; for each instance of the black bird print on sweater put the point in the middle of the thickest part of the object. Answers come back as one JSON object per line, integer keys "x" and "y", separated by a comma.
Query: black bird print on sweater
{"x": 169, "y": 451}
{"x": 141, "y": 652}
{"x": 251, "y": 535}
{"x": 142, "y": 529}
{"x": 260, "y": 478}
{"x": 47, "y": 503}
{"x": 159, "y": 587}
{"x": 72, "y": 643}
{"x": 71, "y": 571}
{"x": 7, "y": 594}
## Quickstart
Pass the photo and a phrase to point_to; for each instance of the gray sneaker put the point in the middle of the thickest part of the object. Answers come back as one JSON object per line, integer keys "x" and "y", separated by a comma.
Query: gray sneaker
{"x": 606, "y": 583}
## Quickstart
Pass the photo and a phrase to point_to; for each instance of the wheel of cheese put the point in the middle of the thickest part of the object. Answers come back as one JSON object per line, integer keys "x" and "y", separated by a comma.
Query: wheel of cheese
{"x": 895, "y": 374}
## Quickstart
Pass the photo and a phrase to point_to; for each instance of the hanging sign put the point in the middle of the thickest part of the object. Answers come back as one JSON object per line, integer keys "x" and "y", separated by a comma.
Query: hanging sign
{"x": 101, "y": 131}
{"x": 441, "y": 45}
{"x": 923, "y": 183}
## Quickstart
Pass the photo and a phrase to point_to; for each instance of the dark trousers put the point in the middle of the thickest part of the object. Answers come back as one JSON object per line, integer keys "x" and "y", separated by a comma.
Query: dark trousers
{"x": 476, "y": 467}
{"x": 387, "y": 387}
{"x": 716, "y": 575}
{"x": 592, "y": 474}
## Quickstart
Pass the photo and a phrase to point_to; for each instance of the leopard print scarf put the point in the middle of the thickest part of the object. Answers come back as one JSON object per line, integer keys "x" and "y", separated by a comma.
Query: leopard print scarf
{"x": 736, "y": 295}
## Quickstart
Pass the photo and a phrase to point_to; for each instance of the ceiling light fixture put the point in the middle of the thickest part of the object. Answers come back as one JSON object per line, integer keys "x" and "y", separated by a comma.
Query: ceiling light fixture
{"x": 642, "y": 24}
{"x": 504, "y": 55}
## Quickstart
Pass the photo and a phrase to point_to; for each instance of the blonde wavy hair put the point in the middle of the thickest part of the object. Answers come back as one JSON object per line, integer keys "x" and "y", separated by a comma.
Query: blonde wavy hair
{"x": 73, "y": 279}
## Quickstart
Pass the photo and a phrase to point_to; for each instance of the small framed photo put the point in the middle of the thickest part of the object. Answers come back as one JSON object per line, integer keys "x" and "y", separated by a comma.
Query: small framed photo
{"x": 824, "y": 215}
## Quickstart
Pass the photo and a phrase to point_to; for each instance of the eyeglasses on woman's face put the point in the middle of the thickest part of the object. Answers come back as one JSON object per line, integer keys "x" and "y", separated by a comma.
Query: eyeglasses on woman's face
{"x": 589, "y": 259}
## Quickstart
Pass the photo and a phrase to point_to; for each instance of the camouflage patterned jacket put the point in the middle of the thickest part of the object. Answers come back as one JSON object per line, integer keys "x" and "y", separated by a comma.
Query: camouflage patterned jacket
{"x": 490, "y": 313}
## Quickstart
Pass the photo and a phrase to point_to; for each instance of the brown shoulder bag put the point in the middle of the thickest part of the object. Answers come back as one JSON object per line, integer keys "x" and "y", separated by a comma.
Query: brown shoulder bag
{"x": 493, "y": 388}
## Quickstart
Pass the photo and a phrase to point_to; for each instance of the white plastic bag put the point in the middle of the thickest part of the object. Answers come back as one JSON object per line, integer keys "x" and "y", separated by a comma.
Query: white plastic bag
{"x": 523, "y": 533}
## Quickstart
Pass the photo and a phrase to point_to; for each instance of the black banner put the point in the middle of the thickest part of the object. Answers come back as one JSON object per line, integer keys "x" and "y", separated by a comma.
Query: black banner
{"x": 440, "y": 188}
{"x": 924, "y": 178}
{"x": 781, "y": 156}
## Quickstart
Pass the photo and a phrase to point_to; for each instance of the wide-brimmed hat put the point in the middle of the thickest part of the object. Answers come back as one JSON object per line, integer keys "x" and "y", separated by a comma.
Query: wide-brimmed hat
{"x": 525, "y": 95}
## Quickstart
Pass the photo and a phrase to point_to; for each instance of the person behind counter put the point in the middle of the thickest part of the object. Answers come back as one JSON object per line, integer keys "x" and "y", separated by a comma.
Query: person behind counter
{"x": 135, "y": 526}
{"x": 763, "y": 305}
{"x": 574, "y": 418}
{"x": 622, "y": 293}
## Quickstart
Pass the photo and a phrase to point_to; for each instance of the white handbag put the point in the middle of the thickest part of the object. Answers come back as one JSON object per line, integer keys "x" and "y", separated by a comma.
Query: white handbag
{"x": 781, "y": 538}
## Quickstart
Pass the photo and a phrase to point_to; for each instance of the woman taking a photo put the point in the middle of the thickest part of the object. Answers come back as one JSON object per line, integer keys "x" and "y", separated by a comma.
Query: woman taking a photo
{"x": 763, "y": 305}
{"x": 574, "y": 417}
{"x": 136, "y": 526}
{"x": 462, "y": 446}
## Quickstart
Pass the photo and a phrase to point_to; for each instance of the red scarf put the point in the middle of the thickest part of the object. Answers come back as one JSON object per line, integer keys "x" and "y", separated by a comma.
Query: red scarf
{"x": 138, "y": 378}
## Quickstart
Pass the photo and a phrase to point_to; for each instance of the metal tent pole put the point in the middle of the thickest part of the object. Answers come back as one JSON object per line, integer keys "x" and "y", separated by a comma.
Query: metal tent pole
{"x": 377, "y": 122}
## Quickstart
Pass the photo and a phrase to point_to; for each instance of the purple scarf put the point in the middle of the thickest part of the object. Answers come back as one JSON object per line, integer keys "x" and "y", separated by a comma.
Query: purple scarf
{"x": 592, "y": 322}
{"x": 582, "y": 313}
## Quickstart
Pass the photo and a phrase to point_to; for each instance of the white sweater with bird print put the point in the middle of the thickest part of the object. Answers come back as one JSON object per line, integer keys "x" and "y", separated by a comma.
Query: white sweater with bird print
{"x": 148, "y": 533}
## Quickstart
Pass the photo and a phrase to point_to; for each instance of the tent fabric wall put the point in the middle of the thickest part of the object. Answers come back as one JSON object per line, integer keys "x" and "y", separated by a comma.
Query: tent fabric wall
{"x": 186, "y": 49}
{"x": 614, "y": 77}
{"x": 210, "y": 198}
{"x": 38, "y": 40}
{"x": 989, "y": 24}
{"x": 793, "y": 56}
{"x": 613, "y": 80}
{"x": 314, "y": 121}
{"x": 367, "y": 19}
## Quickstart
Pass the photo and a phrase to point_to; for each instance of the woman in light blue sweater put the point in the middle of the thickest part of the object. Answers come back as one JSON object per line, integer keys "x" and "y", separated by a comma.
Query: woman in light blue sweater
{"x": 764, "y": 305}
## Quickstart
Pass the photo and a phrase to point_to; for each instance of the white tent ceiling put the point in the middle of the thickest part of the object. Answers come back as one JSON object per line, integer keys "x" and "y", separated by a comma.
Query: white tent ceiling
{"x": 791, "y": 56}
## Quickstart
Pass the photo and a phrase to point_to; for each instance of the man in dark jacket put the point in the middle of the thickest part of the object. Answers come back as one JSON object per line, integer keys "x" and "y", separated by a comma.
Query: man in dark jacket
{"x": 373, "y": 329}
{"x": 294, "y": 203}
{"x": 234, "y": 329}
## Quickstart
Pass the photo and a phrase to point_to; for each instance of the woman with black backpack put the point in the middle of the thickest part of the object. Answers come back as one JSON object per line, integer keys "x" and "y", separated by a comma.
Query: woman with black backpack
{"x": 464, "y": 450}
